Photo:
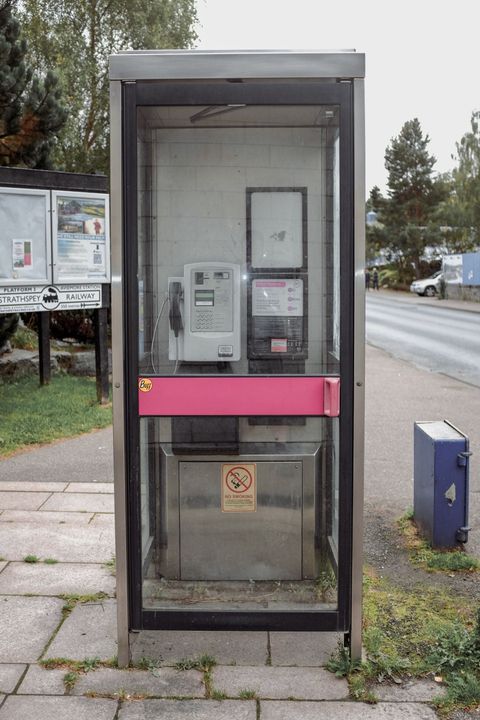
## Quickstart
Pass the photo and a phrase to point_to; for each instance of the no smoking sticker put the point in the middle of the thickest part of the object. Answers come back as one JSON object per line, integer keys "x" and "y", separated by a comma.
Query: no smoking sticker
{"x": 239, "y": 488}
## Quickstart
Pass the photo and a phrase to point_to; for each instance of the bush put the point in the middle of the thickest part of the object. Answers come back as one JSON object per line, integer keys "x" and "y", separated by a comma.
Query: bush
{"x": 8, "y": 326}
{"x": 75, "y": 324}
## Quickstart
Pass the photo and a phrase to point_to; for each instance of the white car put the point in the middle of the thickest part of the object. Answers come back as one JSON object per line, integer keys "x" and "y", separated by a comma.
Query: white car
{"x": 428, "y": 286}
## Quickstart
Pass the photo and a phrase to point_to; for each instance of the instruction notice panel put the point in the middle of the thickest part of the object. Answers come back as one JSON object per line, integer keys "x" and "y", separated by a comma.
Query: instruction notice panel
{"x": 81, "y": 238}
{"x": 239, "y": 488}
{"x": 37, "y": 298}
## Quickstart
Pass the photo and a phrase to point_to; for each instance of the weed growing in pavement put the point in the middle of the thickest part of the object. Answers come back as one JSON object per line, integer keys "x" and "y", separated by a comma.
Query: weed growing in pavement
{"x": 424, "y": 556}
{"x": 69, "y": 679}
{"x": 413, "y": 633}
{"x": 341, "y": 663}
{"x": 31, "y": 559}
{"x": 57, "y": 663}
{"x": 111, "y": 565}
{"x": 89, "y": 664}
{"x": 146, "y": 664}
{"x": 72, "y": 600}
{"x": 186, "y": 664}
{"x": 325, "y": 582}
{"x": 205, "y": 663}
{"x": 218, "y": 695}
{"x": 77, "y": 666}
{"x": 247, "y": 694}
{"x": 50, "y": 561}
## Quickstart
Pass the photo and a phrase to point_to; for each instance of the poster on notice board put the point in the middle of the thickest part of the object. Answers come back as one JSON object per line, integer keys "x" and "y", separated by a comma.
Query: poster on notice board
{"x": 81, "y": 238}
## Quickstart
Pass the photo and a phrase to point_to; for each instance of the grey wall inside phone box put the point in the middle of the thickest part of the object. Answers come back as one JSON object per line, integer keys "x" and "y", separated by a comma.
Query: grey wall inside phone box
{"x": 192, "y": 207}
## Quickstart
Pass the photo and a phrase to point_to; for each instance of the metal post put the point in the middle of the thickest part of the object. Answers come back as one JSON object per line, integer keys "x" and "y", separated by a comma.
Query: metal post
{"x": 359, "y": 374}
{"x": 121, "y": 528}
{"x": 101, "y": 347}
{"x": 43, "y": 321}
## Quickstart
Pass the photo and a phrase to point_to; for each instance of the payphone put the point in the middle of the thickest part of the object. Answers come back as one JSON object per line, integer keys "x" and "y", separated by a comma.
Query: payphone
{"x": 205, "y": 313}
{"x": 238, "y": 200}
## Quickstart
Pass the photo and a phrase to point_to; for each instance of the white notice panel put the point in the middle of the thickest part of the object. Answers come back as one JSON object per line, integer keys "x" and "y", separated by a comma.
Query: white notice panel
{"x": 277, "y": 229}
{"x": 279, "y": 297}
{"x": 25, "y": 246}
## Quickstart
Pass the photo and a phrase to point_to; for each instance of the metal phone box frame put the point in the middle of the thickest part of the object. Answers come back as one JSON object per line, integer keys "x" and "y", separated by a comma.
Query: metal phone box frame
{"x": 291, "y": 404}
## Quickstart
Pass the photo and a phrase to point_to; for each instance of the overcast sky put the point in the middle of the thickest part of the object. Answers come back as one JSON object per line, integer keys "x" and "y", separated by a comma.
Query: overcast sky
{"x": 422, "y": 58}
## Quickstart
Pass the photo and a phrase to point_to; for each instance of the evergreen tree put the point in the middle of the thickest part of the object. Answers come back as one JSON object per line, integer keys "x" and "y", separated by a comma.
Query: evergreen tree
{"x": 31, "y": 113}
{"x": 30, "y": 116}
{"x": 408, "y": 214}
{"x": 465, "y": 206}
{"x": 77, "y": 37}
{"x": 376, "y": 238}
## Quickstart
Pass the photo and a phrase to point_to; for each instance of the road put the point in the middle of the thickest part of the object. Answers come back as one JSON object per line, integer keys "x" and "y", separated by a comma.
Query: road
{"x": 434, "y": 338}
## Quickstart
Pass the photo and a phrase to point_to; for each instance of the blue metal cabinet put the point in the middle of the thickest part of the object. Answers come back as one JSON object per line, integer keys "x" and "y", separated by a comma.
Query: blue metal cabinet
{"x": 440, "y": 483}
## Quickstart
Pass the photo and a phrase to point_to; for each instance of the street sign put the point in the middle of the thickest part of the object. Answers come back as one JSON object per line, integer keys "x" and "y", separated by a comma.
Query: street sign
{"x": 38, "y": 298}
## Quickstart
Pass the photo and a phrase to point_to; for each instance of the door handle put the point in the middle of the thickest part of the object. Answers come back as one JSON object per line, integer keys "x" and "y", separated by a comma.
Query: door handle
{"x": 331, "y": 397}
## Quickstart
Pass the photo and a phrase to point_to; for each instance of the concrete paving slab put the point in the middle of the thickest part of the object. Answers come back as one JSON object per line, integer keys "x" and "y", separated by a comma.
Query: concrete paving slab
{"x": 60, "y": 578}
{"x": 89, "y": 631}
{"x": 26, "y": 624}
{"x": 83, "y": 502}
{"x": 41, "y": 517}
{"x": 191, "y": 709}
{"x": 103, "y": 520}
{"x": 90, "y": 487}
{"x": 9, "y": 676}
{"x": 410, "y": 691}
{"x": 306, "y": 649}
{"x": 169, "y": 647}
{"x": 65, "y": 708}
{"x": 85, "y": 544}
{"x": 280, "y": 683}
{"x": 275, "y": 710}
{"x": 39, "y": 681}
{"x": 162, "y": 682}
{"x": 29, "y": 486}
{"x": 10, "y": 500}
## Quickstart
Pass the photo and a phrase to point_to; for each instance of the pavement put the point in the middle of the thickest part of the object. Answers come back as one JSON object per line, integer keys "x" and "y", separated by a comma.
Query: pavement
{"x": 56, "y": 505}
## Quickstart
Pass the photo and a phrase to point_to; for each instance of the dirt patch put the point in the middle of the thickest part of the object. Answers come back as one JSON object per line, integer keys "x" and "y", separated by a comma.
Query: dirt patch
{"x": 385, "y": 551}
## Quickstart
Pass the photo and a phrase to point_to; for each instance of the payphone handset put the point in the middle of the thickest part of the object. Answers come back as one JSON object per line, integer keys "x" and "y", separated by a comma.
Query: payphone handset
{"x": 205, "y": 313}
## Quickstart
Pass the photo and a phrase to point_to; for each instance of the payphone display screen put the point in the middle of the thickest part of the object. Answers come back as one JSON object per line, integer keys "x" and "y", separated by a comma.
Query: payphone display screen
{"x": 238, "y": 268}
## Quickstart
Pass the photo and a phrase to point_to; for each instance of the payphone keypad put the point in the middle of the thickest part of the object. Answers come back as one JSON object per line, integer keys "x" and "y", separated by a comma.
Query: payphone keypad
{"x": 212, "y": 301}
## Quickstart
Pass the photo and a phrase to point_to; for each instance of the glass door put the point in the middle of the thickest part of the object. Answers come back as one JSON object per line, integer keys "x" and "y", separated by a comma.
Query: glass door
{"x": 239, "y": 282}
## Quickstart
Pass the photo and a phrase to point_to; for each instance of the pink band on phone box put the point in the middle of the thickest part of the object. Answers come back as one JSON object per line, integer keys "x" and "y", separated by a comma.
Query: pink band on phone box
{"x": 174, "y": 396}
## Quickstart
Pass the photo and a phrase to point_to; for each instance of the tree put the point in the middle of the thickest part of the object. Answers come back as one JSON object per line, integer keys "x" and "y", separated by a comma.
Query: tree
{"x": 77, "y": 37}
{"x": 465, "y": 205}
{"x": 414, "y": 194}
{"x": 31, "y": 113}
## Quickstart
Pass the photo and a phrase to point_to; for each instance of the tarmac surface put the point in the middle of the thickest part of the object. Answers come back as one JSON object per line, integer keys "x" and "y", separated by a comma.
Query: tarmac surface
{"x": 56, "y": 503}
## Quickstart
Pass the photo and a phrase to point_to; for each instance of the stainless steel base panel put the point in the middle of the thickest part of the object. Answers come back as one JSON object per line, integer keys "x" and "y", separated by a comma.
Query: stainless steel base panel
{"x": 196, "y": 540}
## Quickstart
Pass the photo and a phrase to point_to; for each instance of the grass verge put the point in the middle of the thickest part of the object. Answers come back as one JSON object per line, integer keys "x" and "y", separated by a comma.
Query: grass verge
{"x": 420, "y": 632}
{"x": 34, "y": 415}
